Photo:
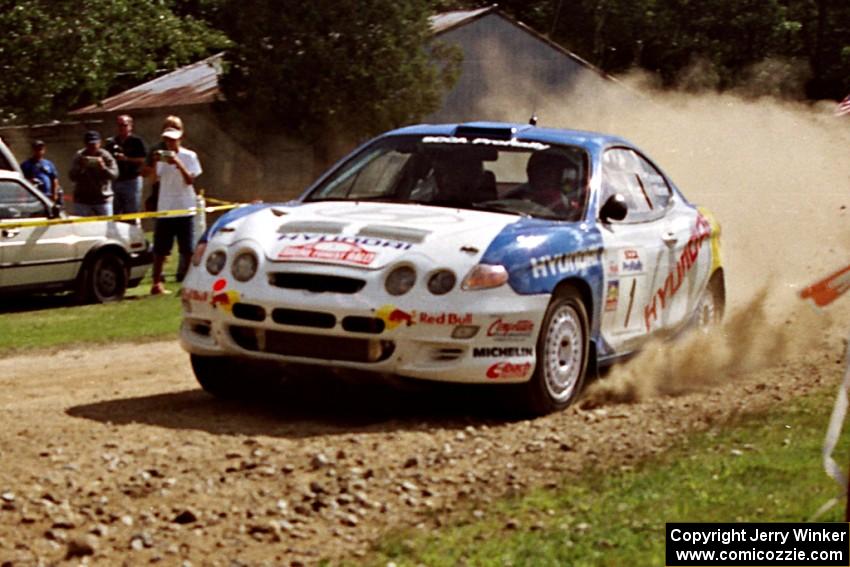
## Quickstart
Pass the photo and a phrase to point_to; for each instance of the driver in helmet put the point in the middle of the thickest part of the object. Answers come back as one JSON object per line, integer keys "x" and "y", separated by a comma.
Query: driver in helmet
{"x": 552, "y": 183}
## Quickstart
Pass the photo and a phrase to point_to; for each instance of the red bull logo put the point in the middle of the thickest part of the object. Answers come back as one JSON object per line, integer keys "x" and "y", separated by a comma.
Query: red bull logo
{"x": 392, "y": 316}
{"x": 221, "y": 298}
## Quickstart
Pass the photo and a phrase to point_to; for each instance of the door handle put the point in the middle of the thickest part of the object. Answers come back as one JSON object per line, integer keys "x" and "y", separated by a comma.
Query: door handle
{"x": 670, "y": 238}
{"x": 10, "y": 232}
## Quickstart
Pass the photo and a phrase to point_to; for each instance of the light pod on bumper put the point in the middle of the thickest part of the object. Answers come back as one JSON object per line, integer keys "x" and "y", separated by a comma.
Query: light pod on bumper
{"x": 216, "y": 261}
{"x": 244, "y": 265}
{"x": 400, "y": 280}
{"x": 441, "y": 282}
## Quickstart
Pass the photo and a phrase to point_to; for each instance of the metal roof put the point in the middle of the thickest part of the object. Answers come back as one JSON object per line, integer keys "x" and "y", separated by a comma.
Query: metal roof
{"x": 193, "y": 84}
{"x": 448, "y": 20}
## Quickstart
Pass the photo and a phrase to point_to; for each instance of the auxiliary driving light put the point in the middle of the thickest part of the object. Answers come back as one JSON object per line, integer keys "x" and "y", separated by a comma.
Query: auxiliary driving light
{"x": 244, "y": 266}
{"x": 400, "y": 280}
{"x": 465, "y": 331}
{"x": 216, "y": 261}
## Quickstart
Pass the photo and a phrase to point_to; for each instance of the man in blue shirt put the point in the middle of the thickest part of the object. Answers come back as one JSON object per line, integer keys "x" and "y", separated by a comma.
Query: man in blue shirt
{"x": 41, "y": 172}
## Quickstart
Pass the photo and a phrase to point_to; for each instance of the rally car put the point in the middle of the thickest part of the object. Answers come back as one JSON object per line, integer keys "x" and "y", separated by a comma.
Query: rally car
{"x": 477, "y": 253}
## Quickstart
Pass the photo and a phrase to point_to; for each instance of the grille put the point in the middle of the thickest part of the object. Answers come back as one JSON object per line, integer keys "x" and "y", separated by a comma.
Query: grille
{"x": 446, "y": 353}
{"x": 356, "y": 324}
{"x": 249, "y": 312}
{"x": 301, "y": 318}
{"x": 321, "y": 347}
{"x": 317, "y": 283}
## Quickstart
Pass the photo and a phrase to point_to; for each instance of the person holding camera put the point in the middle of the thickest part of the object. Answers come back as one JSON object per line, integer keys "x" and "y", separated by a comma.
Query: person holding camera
{"x": 41, "y": 172}
{"x": 93, "y": 170}
{"x": 129, "y": 151}
{"x": 176, "y": 170}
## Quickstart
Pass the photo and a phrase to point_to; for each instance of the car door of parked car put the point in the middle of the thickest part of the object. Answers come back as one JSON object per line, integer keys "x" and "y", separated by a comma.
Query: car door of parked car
{"x": 32, "y": 256}
{"x": 635, "y": 257}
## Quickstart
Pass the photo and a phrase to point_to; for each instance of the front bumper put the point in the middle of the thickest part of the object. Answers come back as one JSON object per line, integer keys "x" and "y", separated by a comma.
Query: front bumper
{"x": 464, "y": 336}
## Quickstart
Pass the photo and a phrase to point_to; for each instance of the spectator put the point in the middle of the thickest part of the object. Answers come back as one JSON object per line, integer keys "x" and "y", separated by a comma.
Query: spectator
{"x": 171, "y": 121}
{"x": 129, "y": 151}
{"x": 176, "y": 170}
{"x": 41, "y": 172}
{"x": 92, "y": 171}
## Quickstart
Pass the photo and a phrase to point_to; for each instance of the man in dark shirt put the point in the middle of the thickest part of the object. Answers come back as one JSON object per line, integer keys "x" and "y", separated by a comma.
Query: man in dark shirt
{"x": 130, "y": 152}
{"x": 41, "y": 172}
{"x": 92, "y": 171}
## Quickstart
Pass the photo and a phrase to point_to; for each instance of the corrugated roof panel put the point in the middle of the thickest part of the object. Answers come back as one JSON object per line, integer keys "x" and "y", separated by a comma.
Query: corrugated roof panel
{"x": 193, "y": 84}
{"x": 447, "y": 20}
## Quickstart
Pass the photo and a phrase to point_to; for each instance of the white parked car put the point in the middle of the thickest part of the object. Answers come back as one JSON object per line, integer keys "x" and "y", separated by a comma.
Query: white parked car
{"x": 97, "y": 260}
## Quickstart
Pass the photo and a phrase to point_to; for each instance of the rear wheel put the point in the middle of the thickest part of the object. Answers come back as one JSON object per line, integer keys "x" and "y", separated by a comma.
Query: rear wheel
{"x": 562, "y": 355}
{"x": 104, "y": 279}
{"x": 711, "y": 305}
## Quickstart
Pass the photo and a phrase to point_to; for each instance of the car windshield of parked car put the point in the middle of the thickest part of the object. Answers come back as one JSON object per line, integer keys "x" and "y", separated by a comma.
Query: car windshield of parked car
{"x": 509, "y": 176}
{"x": 17, "y": 202}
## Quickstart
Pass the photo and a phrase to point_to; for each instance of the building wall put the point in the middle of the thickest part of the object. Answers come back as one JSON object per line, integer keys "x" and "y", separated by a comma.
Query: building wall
{"x": 509, "y": 73}
{"x": 240, "y": 170}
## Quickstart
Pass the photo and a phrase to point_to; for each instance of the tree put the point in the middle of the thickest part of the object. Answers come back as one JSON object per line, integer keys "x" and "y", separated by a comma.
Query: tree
{"x": 56, "y": 55}
{"x": 333, "y": 68}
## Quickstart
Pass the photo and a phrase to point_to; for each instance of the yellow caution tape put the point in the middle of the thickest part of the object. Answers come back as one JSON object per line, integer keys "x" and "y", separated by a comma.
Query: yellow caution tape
{"x": 121, "y": 217}
{"x": 215, "y": 201}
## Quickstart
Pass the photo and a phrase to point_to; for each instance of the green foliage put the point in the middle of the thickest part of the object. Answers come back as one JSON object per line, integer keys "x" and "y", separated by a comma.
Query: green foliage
{"x": 325, "y": 68}
{"x": 59, "y": 54}
{"x": 766, "y": 468}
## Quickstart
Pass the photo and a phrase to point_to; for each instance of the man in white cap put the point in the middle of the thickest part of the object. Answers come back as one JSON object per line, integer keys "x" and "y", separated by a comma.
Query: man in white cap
{"x": 176, "y": 170}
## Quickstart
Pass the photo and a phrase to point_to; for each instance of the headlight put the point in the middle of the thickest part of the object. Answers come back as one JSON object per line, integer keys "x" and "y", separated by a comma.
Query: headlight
{"x": 400, "y": 280}
{"x": 199, "y": 253}
{"x": 216, "y": 261}
{"x": 244, "y": 266}
{"x": 484, "y": 276}
{"x": 441, "y": 282}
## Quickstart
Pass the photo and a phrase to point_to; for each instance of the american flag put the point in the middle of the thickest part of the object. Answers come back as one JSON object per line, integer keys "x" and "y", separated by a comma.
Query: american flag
{"x": 843, "y": 107}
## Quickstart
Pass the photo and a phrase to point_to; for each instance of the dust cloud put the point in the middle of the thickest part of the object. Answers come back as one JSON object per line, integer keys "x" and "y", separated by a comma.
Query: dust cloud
{"x": 775, "y": 173}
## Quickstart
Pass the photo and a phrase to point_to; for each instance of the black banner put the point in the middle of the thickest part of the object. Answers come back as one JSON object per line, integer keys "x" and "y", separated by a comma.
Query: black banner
{"x": 762, "y": 544}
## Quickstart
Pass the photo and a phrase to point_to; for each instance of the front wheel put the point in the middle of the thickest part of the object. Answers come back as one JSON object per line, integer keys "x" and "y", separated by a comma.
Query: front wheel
{"x": 709, "y": 311}
{"x": 562, "y": 353}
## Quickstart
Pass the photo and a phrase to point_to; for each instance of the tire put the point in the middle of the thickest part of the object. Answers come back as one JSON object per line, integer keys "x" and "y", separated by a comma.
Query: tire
{"x": 105, "y": 279}
{"x": 235, "y": 379}
{"x": 709, "y": 311}
{"x": 562, "y": 355}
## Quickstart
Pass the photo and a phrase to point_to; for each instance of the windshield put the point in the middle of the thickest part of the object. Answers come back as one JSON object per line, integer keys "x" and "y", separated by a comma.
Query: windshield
{"x": 525, "y": 178}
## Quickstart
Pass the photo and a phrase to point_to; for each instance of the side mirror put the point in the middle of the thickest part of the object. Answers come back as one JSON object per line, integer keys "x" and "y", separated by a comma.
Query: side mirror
{"x": 614, "y": 209}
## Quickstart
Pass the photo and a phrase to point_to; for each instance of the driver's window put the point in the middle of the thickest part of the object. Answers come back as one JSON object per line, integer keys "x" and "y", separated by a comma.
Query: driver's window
{"x": 17, "y": 202}
{"x": 623, "y": 173}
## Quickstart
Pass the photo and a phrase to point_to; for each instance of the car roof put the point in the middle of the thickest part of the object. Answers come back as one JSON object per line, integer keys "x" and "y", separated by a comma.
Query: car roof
{"x": 593, "y": 141}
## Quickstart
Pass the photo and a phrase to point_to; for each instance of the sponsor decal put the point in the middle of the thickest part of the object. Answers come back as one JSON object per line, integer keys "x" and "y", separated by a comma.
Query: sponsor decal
{"x": 445, "y": 318}
{"x": 194, "y": 295}
{"x": 370, "y": 241}
{"x": 222, "y": 298}
{"x": 544, "y": 266}
{"x": 345, "y": 252}
{"x": 632, "y": 266}
{"x": 613, "y": 269}
{"x": 612, "y": 295}
{"x": 508, "y": 370}
{"x": 501, "y": 329}
{"x": 501, "y": 352}
{"x": 688, "y": 259}
{"x": 392, "y": 316}
{"x": 483, "y": 141}
{"x": 631, "y": 254}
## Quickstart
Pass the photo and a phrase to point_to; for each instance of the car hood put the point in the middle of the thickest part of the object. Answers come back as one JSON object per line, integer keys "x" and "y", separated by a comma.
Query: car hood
{"x": 366, "y": 234}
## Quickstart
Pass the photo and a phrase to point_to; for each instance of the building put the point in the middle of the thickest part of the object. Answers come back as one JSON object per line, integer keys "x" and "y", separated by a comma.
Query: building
{"x": 508, "y": 72}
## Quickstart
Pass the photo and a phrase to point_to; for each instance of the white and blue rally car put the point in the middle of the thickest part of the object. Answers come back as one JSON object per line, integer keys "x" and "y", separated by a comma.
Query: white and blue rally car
{"x": 479, "y": 252}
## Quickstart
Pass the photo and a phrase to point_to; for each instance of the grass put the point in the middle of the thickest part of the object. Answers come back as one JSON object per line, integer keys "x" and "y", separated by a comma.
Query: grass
{"x": 50, "y": 321}
{"x": 764, "y": 468}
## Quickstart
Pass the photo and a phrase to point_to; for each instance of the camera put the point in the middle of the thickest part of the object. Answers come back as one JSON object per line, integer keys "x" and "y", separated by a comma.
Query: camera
{"x": 166, "y": 154}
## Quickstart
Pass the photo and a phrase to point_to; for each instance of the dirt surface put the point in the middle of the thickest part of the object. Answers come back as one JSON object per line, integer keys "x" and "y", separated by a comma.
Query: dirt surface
{"x": 114, "y": 455}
